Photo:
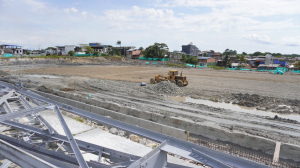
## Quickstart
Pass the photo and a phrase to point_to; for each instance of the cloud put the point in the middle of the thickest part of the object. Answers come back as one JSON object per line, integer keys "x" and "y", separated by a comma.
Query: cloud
{"x": 289, "y": 41}
{"x": 166, "y": 19}
{"x": 67, "y": 10}
{"x": 244, "y": 7}
{"x": 74, "y": 9}
{"x": 263, "y": 39}
{"x": 84, "y": 14}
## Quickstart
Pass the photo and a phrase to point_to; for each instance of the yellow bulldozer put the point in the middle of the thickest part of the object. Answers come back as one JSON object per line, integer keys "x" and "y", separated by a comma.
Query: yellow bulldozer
{"x": 172, "y": 77}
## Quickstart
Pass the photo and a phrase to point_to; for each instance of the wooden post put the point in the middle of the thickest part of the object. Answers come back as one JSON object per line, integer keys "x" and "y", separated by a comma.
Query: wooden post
{"x": 276, "y": 153}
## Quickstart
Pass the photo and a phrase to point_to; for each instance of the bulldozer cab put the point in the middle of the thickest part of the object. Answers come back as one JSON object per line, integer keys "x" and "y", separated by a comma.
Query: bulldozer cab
{"x": 172, "y": 74}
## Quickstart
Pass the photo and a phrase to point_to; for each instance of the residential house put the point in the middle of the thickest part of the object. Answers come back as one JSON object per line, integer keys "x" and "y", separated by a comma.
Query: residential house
{"x": 176, "y": 56}
{"x": 64, "y": 50}
{"x": 262, "y": 67}
{"x": 98, "y": 47}
{"x": 190, "y": 49}
{"x": 11, "y": 49}
{"x": 35, "y": 52}
{"x": 217, "y": 55}
{"x": 208, "y": 53}
{"x": 133, "y": 53}
{"x": 207, "y": 61}
{"x": 123, "y": 49}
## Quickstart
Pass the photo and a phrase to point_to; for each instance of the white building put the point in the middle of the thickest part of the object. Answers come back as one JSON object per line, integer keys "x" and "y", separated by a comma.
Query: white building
{"x": 64, "y": 50}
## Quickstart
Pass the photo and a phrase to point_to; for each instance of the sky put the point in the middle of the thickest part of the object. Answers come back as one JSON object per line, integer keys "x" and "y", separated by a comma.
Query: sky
{"x": 242, "y": 25}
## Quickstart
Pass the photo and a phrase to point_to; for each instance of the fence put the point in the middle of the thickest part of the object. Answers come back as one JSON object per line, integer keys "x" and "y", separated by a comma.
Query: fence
{"x": 84, "y": 55}
{"x": 154, "y": 59}
{"x": 7, "y": 55}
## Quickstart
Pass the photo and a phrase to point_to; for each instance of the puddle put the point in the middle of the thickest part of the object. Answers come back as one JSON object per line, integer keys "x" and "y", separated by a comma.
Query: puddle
{"x": 41, "y": 76}
{"x": 236, "y": 108}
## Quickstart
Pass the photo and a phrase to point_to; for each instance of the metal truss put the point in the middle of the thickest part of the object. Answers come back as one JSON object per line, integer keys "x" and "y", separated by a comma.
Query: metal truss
{"x": 27, "y": 143}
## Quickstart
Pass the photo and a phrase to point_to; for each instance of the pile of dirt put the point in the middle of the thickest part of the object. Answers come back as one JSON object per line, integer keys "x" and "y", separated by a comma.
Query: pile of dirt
{"x": 2, "y": 73}
{"x": 165, "y": 87}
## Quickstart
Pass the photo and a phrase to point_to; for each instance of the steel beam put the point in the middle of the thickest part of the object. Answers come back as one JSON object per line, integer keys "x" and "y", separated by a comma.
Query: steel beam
{"x": 21, "y": 157}
{"x": 49, "y": 153}
{"x": 154, "y": 159}
{"x": 83, "y": 145}
{"x": 71, "y": 139}
{"x": 25, "y": 102}
{"x": 22, "y": 113}
{"x": 49, "y": 127}
{"x": 7, "y": 96}
{"x": 6, "y": 164}
{"x": 184, "y": 146}
{"x": 8, "y": 107}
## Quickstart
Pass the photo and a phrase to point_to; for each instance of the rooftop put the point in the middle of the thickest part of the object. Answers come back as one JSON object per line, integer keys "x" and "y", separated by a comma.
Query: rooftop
{"x": 270, "y": 65}
{"x": 204, "y": 57}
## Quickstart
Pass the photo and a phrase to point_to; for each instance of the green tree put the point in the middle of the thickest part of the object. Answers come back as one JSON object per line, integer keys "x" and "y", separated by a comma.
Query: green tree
{"x": 158, "y": 50}
{"x": 257, "y": 53}
{"x": 71, "y": 53}
{"x": 241, "y": 59}
{"x": 229, "y": 52}
{"x": 96, "y": 54}
{"x": 50, "y": 48}
{"x": 205, "y": 54}
{"x": 88, "y": 49}
{"x": 113, "y": 51}
{"x": 27, "y": 52}
{"x": 244, "y": 53}
{"x": 193, "y": 60}
{"x": 119, "y": 43}
{"x": 227, "y": 61}
{"x": 184, "y": 58}
{"x": 141, "y": 48}
{"x": 297, "y": 64}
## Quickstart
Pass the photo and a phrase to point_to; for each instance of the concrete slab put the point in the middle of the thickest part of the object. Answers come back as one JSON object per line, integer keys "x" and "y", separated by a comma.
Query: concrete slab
{"x": 103, "y": 138}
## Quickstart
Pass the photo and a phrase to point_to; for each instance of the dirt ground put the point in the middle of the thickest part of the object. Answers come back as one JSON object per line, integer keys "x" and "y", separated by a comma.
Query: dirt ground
{"x": 121, "y": 85}
{"x": 261, "y": 83}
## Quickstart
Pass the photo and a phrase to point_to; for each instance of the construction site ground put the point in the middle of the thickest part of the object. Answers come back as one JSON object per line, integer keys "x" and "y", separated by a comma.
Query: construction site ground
{"x": 121, "y": 84}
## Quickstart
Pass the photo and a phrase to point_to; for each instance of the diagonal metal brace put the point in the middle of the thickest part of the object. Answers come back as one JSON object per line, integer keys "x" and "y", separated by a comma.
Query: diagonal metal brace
{"x": 71, "y": 139}
{"x": 154, "y": 159}
{"x": 22, "y": 113}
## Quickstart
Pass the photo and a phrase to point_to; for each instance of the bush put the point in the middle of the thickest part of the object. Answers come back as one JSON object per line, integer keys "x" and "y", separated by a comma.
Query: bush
{"x": 216, "y": 67}
{"x": 71, "y": 53}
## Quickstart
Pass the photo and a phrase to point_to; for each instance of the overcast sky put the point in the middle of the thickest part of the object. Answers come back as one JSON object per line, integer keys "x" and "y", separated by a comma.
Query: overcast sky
{"x": 242, "y": 25}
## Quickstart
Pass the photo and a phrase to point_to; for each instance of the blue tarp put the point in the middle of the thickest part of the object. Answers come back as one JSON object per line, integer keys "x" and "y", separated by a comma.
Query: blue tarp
{"x": 282, "y": 63}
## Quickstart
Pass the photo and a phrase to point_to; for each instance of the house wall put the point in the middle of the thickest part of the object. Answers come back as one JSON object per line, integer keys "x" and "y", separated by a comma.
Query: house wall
{"x": 212, "y": 60}
{"x": 207, "y": 62}
{"x": 68, "y": 48}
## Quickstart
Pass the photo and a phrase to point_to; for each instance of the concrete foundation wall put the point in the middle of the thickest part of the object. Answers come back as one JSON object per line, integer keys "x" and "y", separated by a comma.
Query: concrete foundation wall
{"x": 171, "y": 131}
{"x": 173, "y": 126}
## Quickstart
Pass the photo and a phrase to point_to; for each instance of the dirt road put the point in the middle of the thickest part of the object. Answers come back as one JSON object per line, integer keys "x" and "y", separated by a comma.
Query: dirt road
{"x": 261, "y": 83}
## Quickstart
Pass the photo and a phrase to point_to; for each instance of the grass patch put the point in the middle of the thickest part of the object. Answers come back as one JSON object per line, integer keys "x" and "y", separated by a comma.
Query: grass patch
{"x": 214, "y": 99}
{"x": 217, "y": 67}
{"x": 176, "y": 65}
{"x": 80, "y": 119}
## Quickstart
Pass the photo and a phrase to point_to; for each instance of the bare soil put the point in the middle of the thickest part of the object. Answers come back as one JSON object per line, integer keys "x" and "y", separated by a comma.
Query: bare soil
{"x": 261, "y": 83}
